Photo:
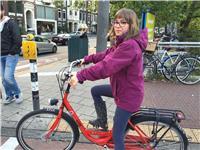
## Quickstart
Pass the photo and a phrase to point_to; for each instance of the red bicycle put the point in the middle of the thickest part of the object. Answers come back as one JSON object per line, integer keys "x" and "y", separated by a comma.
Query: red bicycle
{"x": 54, "y": 129}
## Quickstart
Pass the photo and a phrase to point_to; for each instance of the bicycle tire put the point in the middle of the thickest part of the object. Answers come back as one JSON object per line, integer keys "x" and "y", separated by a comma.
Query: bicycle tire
{"x": 188, "y": 70}
{"x": 31, "y": 128}
{"x": 149, "y": 66}
{"x": 166, "y": 143}
{"x": 169, "y": 67}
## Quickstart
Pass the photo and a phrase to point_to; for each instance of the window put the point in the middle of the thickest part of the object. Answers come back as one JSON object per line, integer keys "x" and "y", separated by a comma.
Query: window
{"x": 80, "y": 17}
{"x": 64, "y": 14}
{"x": 75, "y": 13}
{"x": 59, "y": 13}
{"x": 38, "y": 39}
{"x": 70, "y": 12}
{"x": 50, "y": 13}
{"x": 40, "y": 12}
{"x": 19, "y": 7}
{"x": 45, "y": 40}
{"x": 11, "y": 6}
{"x": 83, "y": 17}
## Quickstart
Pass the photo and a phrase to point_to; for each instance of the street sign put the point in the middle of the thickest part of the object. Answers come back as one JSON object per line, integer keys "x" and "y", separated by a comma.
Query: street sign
{"x": 29, "y": 49}
{"x": 148, "y": 21}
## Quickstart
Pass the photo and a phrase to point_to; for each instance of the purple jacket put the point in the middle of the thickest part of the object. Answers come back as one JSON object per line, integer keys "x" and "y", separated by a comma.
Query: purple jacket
{"x": 123, "y": 64}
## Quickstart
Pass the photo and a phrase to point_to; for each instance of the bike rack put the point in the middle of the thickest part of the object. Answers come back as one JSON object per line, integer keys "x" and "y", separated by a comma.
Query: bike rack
{"x": 178, "y": 44}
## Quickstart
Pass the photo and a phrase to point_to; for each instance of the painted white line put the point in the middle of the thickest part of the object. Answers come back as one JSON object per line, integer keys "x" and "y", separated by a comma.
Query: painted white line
{"x": 10, "y": 144}
{"x": 22, "y": 67}
{"x": 39, "y": 74}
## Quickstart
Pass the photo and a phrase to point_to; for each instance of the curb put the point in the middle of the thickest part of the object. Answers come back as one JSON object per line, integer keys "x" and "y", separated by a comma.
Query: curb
{"x": 39, "y": 63}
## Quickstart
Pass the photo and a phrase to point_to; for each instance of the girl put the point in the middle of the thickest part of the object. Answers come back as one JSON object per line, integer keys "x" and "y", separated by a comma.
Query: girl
{"x": 123, "y": 64}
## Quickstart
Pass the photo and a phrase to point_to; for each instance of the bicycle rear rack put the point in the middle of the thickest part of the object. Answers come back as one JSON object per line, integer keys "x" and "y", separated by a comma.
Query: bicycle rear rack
{"x": 175, "y": 115}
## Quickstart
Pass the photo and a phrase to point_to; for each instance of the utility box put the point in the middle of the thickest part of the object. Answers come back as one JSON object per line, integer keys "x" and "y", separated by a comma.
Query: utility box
{"x": 77, "y": 47}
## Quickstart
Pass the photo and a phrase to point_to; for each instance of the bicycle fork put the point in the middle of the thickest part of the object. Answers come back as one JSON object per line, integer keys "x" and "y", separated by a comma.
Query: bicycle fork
{"x": 55, "y": 124}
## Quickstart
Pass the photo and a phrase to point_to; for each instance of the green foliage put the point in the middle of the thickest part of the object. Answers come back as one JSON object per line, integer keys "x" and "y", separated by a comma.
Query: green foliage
{"x": 58, "y": 3}
{"x": 182, "y": 12}
{"x": 195, "y": 24}
{"x": 91, "y": 5}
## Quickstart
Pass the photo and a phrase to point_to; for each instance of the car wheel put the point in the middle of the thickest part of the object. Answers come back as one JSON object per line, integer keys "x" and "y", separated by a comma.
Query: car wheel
{"x": 54, "y": 49}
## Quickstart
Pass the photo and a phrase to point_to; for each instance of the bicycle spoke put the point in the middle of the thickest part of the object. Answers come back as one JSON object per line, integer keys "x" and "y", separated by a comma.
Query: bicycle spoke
{"x": 161, "y": 135}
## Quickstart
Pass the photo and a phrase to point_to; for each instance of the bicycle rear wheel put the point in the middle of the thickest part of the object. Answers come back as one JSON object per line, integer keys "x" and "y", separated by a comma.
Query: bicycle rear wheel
{"x": 188, "y": 70}
{"x": 32, "y": 130}
{"x": 166, "y": 134}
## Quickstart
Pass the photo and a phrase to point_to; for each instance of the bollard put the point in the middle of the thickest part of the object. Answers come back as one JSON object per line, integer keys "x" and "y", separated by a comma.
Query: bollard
{"x": 34, "y": 84}
{"x": 29, "y": 49}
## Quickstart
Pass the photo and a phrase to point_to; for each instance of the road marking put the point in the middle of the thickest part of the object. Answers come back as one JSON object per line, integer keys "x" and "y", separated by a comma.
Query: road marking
{"x": 10, "y": 144}
{"x": 22, "y": 67}
{"x": 39, "y": 74}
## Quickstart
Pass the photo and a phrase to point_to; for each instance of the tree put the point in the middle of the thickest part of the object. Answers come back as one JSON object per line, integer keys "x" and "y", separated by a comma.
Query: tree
{"x": 181, "y": 12}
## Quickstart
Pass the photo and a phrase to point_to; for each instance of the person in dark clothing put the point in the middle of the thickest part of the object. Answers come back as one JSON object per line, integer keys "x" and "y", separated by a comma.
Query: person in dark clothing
{"x": 123, "y": 64}
{"x": 11, "y": 43}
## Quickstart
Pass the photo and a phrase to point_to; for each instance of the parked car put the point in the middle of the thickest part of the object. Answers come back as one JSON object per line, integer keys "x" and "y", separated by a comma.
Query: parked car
{"x": 61, "y": 38}
{"x": 43, "y": 44}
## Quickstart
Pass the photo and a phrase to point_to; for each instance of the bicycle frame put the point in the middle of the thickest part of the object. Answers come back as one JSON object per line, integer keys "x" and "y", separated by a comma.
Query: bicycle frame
{"x": 102, "y": 138}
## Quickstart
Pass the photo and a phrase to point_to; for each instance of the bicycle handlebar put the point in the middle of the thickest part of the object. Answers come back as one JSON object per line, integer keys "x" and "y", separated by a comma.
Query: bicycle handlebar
{"x": 73, "y": 64}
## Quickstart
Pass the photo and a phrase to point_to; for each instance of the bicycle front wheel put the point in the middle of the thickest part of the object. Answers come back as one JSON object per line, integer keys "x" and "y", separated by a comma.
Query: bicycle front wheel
{"x": 149, "y": 66}
{"x": 168, "y": 66}
{"x": 188, "y": 70}
{"x": 32, "y": 131}
{"x": 160, "y": 135}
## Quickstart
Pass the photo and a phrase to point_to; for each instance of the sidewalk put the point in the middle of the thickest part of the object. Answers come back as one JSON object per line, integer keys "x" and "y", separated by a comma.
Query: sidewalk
{"x": 158, "y": 94}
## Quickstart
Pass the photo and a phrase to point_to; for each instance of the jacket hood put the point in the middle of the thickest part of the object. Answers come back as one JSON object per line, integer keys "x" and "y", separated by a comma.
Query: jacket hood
{"x": 142, "y": 40}
{"x": 2, "y": 22}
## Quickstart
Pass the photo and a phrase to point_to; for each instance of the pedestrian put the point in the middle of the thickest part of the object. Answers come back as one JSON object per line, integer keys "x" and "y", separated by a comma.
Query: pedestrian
{"x": 11, "y": 43}
{"x": 123, "y": 64}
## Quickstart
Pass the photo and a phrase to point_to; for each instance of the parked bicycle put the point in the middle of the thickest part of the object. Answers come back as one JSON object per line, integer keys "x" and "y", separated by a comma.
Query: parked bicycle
{"x": 50, "y": 128}
{"x": 163, "y": 62}
{"x": 181, "y": 66}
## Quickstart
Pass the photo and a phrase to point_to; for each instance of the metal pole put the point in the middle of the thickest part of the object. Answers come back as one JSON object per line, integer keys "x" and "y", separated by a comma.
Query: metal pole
{"x": 102, "y": 24}
{"x": 34, "y": 84}
{"x": 66, "y": 18}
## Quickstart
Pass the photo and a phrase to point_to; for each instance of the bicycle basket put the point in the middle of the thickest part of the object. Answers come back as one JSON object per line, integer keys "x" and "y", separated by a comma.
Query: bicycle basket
{"x": 151, "y": 46}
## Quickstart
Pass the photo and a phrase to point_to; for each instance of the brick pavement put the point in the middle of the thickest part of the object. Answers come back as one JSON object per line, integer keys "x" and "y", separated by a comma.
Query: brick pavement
{"x": 157, "y": 94}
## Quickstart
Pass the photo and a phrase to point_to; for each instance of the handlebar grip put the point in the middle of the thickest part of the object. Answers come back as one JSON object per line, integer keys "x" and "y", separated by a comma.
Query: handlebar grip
{"x": 81, "y": 82}
{"x": 85, "y": 63}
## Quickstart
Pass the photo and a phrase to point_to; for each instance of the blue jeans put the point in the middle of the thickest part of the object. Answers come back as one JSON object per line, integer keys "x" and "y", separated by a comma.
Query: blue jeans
{"x": 120, "y": 122}
{"x": 121, "y": 116}
{"x": 8, "y": 65}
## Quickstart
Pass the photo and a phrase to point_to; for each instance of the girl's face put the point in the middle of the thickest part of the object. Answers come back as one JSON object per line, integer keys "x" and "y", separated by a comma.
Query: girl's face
{"x": 121, "y": 26}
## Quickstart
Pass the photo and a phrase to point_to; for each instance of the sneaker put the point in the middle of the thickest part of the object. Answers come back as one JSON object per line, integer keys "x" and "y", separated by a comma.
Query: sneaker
{"x": 8, "y": 100}
{"x": 18, "y": 98}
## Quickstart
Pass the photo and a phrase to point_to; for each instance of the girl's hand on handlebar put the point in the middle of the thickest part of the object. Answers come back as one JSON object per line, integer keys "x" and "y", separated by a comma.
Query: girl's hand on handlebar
{"x": 74, "y": 80}
{"x": 82, "y": 62}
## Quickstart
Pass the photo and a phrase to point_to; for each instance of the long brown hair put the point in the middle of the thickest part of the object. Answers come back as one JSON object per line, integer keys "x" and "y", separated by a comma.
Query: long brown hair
{"x": 131, "y": 18}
